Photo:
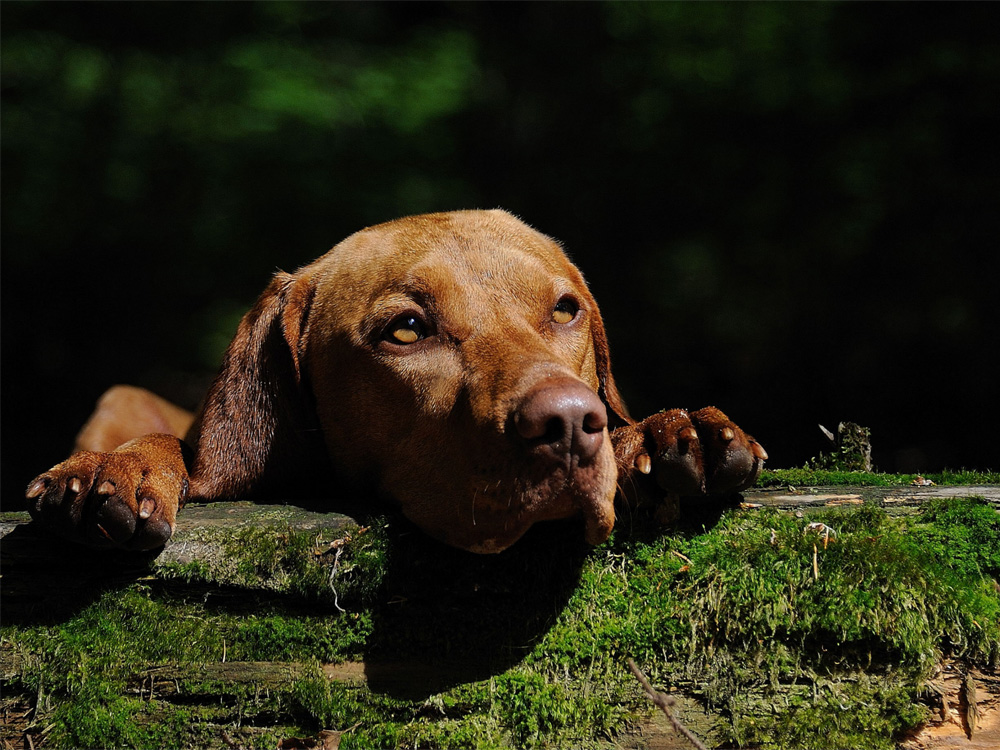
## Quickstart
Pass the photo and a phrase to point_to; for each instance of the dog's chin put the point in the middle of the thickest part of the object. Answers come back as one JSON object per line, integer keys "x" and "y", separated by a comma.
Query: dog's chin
{"x": 489, "y": 519}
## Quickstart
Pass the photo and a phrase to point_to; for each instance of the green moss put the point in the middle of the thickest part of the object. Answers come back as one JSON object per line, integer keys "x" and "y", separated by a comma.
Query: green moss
{"x": 781, "y": 635}
{"x": 478, "y": 731}
{"x": 749, "y": 618}
{"x": 189, "y": 572}
{"x": 278, "y": 637}
{"x": 860, "y": 714}
{"x": 540, "y": 708}
{"x": 812, "y": 477}
{"x": 301, "y": 563}
{"x": 961, "y": 535}
{"x": 99, "y": 718}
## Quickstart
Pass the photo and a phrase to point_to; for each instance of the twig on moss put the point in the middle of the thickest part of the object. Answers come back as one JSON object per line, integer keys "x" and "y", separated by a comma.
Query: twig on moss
{"x": 682, "y": 557}
{"x": 665, "y": 703}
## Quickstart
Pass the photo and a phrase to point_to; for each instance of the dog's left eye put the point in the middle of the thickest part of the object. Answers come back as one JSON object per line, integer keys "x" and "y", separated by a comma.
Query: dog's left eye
{"x": 565, "y": 310}
{"x": 406, "y": 330}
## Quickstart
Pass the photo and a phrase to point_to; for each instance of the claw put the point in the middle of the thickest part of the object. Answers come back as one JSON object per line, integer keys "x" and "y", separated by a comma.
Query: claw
{"x": 146, "y": 507}
{"x": 758, "y": 450}
{"x": 74, "y": 485}
{"x": 36, "y": 488}
{"x": 727, "y": 434}
{"x": 643, "y": 463}
{"x": 107, "y": 488}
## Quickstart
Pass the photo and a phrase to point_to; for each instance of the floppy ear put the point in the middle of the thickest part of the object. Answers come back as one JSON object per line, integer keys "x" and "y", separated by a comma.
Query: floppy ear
{"x": 255, "y": 428}
{"x": 607, "y": 391}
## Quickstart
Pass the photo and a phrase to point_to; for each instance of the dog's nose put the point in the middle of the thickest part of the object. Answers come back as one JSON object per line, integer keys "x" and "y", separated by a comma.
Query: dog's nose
{"x": 560, "y": 419}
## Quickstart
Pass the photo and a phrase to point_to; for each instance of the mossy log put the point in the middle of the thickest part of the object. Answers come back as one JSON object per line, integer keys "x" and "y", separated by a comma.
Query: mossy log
{"x": 247, "y": 554}
{"x": 239, "y": 544}
{"x": 246, "y": 546}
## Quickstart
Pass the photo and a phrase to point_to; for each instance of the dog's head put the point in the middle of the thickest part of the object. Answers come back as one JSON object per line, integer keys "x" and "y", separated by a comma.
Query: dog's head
{"x": 457, "y": 359}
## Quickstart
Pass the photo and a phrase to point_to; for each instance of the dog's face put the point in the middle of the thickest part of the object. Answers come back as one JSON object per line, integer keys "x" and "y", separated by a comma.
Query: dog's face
{"x": 441, "y": 352}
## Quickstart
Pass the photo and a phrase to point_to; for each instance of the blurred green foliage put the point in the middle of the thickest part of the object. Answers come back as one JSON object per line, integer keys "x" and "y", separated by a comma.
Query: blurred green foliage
{"x": 784, "y": 209}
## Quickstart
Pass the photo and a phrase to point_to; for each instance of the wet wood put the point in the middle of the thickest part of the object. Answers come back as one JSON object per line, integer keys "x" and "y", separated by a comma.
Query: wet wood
{"x": 804, "y": 498}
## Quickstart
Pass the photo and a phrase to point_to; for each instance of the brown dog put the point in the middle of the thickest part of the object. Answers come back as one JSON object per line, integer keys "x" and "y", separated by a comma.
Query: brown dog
{"x": 455, "y": 361}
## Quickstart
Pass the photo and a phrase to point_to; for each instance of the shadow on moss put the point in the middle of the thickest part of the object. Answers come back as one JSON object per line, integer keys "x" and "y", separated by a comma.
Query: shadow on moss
{"x": 450, "y": 617}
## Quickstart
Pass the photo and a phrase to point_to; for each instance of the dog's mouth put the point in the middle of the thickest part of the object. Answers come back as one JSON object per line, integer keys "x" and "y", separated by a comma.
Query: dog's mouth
{"x": 598, "y": 517}
{"x": 574, "y": 490}
{"x": 500, "y": 513}
{"x": 489, "y": 520}
{"x": 500, "y": 485}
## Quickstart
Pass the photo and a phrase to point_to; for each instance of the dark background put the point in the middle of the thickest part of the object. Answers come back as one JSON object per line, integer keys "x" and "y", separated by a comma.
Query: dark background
{"x": 786, "y": 210}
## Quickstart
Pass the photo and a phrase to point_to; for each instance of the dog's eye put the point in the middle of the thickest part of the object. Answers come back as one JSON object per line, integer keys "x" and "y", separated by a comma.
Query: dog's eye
{"x": 406, "y": 330}
{"x": 565, "y": 310}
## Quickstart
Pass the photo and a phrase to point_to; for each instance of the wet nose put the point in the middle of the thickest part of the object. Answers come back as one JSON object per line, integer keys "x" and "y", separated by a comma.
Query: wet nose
{"x": 562, "y": 419}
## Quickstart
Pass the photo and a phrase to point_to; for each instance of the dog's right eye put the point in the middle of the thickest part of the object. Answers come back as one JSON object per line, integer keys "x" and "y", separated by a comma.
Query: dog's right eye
{"x": 565, "y": 310}
{"x": 405, "y": 330}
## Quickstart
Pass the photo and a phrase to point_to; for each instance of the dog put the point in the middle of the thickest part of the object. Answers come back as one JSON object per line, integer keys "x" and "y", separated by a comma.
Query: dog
{"x": 455, "y": 362}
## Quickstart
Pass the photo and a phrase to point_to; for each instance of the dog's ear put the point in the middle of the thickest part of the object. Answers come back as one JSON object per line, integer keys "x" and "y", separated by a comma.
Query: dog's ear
{"x": 607, "y": 390}
{"x": 255, "y": 428}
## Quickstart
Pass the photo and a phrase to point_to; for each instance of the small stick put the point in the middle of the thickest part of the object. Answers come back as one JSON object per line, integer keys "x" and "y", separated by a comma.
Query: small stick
{"x": 682, "y": 557}
{"x": 665, "y": 703}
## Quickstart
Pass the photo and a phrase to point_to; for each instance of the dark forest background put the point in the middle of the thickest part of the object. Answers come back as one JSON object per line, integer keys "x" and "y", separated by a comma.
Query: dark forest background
{"x": 786, "y": 210}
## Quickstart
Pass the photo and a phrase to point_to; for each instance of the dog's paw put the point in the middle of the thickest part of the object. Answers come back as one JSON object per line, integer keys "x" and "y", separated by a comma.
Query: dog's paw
{"x": 126, "y": 498}
{"x": 732, "y": 459}
{"x": 692, "y": 453}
